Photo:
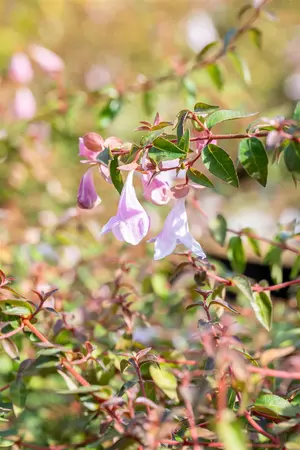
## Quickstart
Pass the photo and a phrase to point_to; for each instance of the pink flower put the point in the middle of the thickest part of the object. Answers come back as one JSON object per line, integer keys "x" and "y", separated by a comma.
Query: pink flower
{"x": 49, "y": 61}
{"x": 176, "y": 231}
{"x": 20, "y": 69}
{"x": 156, "y": 190}
{"x": 24, "y": 104}
{"x": 131, "y": 223}
{"x": 199, "y": 145}
{"x": 87, "y": 197}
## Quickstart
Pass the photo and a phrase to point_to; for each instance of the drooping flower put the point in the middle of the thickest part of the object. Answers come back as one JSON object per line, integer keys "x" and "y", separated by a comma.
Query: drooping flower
{"x": 131, "y": 223}
{"x": 24, "y": 104}
{"x": 49, "y": 61}
{"x": 87, "y": 197}
{"x": 20, "y": 69}
{"x": 176, "y": 231}
{"x": 156, "y": 191}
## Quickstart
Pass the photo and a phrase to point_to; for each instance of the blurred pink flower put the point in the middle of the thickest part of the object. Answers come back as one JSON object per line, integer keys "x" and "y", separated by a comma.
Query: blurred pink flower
{"x": 24, "y": 104}
{"x": 87, "y": 197}
{"x": 49, "y": 61}
{"x": 176, "y": 231}
{"x": 20, "y": 69}
{"x": 199, "y": 145}
{"x": 156, "y": 191}
{"x": 131, "y": 224}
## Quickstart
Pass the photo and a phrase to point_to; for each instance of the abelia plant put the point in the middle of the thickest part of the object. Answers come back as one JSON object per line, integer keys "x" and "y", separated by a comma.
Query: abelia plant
{"x": 104, "y": 348}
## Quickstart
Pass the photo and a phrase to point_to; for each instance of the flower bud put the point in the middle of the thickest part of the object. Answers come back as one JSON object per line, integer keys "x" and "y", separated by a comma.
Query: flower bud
{"x": 49, "y": 61}
{"x": 20, "y": 69}
{"x": 24, "y": 104}
{"x": 93, "y": 142}
{"x": 87, "y": 197}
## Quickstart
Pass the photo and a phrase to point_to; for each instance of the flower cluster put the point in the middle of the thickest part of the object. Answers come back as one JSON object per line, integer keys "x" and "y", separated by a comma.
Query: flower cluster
{"x": 21, "y": 73}
{"x": 131, "y": 223}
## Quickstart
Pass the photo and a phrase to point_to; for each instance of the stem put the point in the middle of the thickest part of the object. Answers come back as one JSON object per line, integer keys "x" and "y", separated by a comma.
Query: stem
{"x": 275, "y": 287}
{"x": 282, "y": 245}
{"x": 274, "y": 373}
{"x": 141, "y": 383}
{"x": 11, "y": 333}
{"x": 39, "y": 335}
{"x": 75, "y": 374}
{"x": 255, "y": 425}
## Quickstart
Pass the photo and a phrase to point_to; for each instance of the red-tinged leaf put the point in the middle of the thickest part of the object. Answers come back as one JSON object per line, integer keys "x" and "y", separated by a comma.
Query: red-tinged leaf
{"x": 143, "y": 352}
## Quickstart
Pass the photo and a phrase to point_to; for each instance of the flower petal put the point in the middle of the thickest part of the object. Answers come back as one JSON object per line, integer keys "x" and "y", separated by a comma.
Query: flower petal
{"x": 113, "y": 221}
{"x": 190, "y": 243}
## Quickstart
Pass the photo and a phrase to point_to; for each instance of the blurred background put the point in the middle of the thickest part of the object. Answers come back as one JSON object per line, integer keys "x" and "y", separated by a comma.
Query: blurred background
{"x": 103, "y": 48}
{"x": 100, "y": 48}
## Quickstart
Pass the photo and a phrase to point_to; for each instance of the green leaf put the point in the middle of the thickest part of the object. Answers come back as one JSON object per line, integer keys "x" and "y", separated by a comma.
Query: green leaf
{"x": 109, "y": 112}
{"x": 273, "y": 259}
{"x": 254, "y": 159}
{"x": 199, "y": 178}
{"x": 18, "y": 393}
{"x": 164, "y": 150}
{"x": 147, "y": 140}
{"x": 224, "y": 305}
{"x": 115, "y": 174}
{"x": 204, "y": 108}
{"x": 218, "y": 229}
{"x": 219, "y": 163}
{"x": 225, "y": 114}
{"x": 254, "y": 243}
{"x": 256, "y": 37}
{"x": 216, "y": 76}
{"x": 18, "y": 311}
{"x": 184, "y": 143}
{"x": 292, "y": 157}
{"x": 105, "y": 156}
{"x": 10, "y": 348}
{"x": 206, "y": 49}
{"x": 273, "y": 404}
{"x": 236, "y": 254}
{"x": 181, "y": 118}
{"x": 241, "y": 66}
{"x": 261, "y": 306}
{"x": 296, "y": 113}
{"x": 296, "y": 268}
{"x": 81, "y": 390}
{"x": 4, "y": 443}
{"x": 131, "y": 156}
{"x": 263, "y": 309}
{"x": 231, "y": 432}
{"x": 165, "y": 380}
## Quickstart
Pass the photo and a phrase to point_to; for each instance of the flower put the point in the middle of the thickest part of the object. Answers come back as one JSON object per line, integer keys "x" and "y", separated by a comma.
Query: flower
{"x": 87, "y": 197}
{"x": 20, "y": 69}
{"x": 131, "y": 223}
{"x": 48, "y": 61}
{"x": 91, "y": 144}
{"x": 176, "y": 231}
{"x": 24, "y": 104}
{"x": 156, "y": 191}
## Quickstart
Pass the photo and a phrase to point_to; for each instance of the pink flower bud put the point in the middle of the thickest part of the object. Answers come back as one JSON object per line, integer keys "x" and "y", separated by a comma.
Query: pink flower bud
{"x": 24, "y": 104}
{"x": 87, "y": 197}
{"x": 93, "y": 142}
{"x": 20, "y": 69}
{"x": 49, "y": 61}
